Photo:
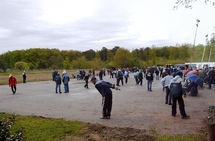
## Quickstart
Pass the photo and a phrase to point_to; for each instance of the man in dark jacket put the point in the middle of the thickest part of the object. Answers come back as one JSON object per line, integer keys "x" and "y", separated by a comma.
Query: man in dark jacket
{"x": 104, "y": 89}
{"x": 149, "y": 78}
{"x": 58, "y": 83}
{"x": 175, "y": 87}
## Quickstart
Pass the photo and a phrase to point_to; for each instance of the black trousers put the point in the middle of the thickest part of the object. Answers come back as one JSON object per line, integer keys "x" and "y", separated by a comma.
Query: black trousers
{"x": 13, "y": 88}
{"x": 181, "y": 105}
{"x": 86, "y": 84}
{"x": 107, "y": 105}
{"x": 168, "y": 96}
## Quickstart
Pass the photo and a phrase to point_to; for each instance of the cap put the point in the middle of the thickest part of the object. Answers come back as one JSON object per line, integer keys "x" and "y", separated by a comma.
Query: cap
{"x": 93, "y": 78}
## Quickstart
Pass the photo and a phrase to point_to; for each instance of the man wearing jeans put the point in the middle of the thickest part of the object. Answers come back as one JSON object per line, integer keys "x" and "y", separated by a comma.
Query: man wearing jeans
{"x": 149, "y": 78}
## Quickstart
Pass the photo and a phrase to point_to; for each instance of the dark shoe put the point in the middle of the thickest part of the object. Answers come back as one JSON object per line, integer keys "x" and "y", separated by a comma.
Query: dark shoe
{"x": 170, "y": 103}
{"x": 103, "y": 117}
{"x": 56, "y": 92}
{"x": 60, "y": 92}
{"x": 185, "y": 117}
{"x": 166, "y": 103}
{"x": 173, "y": 115}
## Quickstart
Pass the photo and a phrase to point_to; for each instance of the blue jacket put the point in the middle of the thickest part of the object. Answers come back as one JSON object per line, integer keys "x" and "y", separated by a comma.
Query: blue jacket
{"x": 65, "y": 79}
{"x": 58, "y": 79}
{"x": 103, "y": 87}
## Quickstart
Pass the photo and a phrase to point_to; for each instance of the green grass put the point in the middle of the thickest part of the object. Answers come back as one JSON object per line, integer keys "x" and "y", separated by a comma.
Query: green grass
{"x": 46, "y": 129}
{"x": 52, "y": 129}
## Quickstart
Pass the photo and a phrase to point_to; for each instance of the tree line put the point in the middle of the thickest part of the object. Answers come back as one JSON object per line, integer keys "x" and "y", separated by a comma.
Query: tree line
{"x": 44, "y": 58}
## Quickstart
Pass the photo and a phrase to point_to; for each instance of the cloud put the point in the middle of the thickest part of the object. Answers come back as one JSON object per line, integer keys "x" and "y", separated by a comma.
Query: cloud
{"x": 82, "y": 25}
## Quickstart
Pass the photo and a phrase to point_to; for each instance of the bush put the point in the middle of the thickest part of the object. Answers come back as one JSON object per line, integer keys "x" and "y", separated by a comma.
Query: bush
{"x": 5, "y": 130}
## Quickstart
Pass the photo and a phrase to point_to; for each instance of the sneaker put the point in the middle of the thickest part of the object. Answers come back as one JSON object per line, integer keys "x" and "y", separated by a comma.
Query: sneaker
{"x": 108, "y": 117}
{"x": 185, "y": 117}
{"x": 103, "y": 117}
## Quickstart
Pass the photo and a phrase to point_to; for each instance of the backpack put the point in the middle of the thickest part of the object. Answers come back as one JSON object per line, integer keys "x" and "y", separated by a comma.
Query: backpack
{"x": 176, "y": 89}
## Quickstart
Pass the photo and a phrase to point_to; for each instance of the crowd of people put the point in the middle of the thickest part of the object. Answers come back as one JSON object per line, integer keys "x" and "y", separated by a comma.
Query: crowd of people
{"x": 175, "y": 82}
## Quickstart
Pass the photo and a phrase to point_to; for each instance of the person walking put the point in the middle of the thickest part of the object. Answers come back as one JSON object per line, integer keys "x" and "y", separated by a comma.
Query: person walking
{"x": 12, "y": 83}
{"x": 140, "y": 78}
{"x": 66, "y": 80}
{"x": 149, "y": 78}
{"x": 58, "y": 83}
{"x": 119, "y": 77}
{"x": 165, "y": 83}
{"x": 86, "y": 78}
{"x": 24, "y": 77}
{"x": 211, "y": 77}
{"x": 176, "y": 90}
{"x": 104, "y": 89}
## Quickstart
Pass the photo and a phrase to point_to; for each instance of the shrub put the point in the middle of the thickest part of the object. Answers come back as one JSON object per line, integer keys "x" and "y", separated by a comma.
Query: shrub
{"x": 5, "y": 130}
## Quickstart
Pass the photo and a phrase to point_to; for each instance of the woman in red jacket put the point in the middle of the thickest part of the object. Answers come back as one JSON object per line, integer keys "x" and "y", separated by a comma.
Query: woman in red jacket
{"x": 12, "y": 83}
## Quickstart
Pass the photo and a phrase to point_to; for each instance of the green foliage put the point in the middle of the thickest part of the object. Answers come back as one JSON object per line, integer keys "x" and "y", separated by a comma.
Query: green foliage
{"x": 122, "y": 58}
{"x": 47, "y": 129}
{"x": 6, "y": 133}
{"x": 37, "y": 58}
{"x": 21, "y": 65}
{"x": 189, "y": 137}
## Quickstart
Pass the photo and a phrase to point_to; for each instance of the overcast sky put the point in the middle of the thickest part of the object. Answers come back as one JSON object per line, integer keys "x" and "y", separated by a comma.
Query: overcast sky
{"x": 93, "y": 24}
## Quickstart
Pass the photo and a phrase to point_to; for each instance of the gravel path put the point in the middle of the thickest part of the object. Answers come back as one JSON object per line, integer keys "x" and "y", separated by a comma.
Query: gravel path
{"x": 133, "y": 106}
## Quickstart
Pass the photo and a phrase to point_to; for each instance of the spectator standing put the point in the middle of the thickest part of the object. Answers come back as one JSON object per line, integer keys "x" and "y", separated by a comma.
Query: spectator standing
{"x": 58, "y": 83}
{"x": 24, "y": 76}
{"x": 66, "y": 80}
{"x": 140, "y": 78}
{"x": 12, "y": 83}
{"x": 165, "y": 83}
{"x": 149, "y": 78}
{"x": 175, "y": 87}
{"x": 126, "y": 75}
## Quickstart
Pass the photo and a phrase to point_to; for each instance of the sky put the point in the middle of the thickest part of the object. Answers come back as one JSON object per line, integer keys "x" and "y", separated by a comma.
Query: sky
{"x": 93, "y": 24}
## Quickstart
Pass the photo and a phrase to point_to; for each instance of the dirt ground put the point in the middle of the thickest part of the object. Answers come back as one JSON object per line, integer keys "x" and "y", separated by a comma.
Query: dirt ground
{"x": 135, "y": 113}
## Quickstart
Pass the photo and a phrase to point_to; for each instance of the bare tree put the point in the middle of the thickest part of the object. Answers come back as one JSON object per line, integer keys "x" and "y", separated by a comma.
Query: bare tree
{"x": 189, "y": 3}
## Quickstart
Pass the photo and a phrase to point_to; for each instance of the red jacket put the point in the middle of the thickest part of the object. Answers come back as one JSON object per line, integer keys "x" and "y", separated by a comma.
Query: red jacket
{"x": 12, "y": 81}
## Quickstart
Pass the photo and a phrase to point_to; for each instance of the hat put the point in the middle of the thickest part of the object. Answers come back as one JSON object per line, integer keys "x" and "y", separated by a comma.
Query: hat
{"x": 93, "y": 78}
{"x": 10, "y": 75}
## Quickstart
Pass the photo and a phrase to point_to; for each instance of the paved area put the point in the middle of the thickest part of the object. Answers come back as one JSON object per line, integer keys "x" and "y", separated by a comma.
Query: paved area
{"x": 133, "y": 106}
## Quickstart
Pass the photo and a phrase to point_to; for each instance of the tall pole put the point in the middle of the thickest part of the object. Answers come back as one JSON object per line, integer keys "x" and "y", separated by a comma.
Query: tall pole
{"x": 203, "y": 54}
{"x": 211, "y": 45}
{"x": 197, "y": 24}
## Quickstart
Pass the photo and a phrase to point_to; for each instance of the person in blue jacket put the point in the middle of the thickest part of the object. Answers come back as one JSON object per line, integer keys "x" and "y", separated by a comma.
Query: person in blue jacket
{"x": 104, "y": 89}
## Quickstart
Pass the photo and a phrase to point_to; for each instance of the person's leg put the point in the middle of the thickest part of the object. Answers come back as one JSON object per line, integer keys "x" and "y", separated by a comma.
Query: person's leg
{"x": 148, "y": 85}
{"x": 181, "y": 106}
{"x": 174, "y": 100}
{"x": 59, "y": 88}
{"x": 109, "y": 105}
{"x": 14, "y": 89}
{"x": 167, "y": 96}
{"x": 56, "y": 88}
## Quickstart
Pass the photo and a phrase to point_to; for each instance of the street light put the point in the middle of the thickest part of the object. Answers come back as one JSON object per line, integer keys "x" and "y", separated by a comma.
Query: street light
{"x": 203, "y": 54}
{"x": 197, "y": 24}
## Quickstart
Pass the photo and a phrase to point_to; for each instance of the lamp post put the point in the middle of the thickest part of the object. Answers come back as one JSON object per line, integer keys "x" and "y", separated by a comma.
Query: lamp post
{"x": 197, "y": 24}
{"x": 203, "y": 54}
{"x": 212, "y": 41}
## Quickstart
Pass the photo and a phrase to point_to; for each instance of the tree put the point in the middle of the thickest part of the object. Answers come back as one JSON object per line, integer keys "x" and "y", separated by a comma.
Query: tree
{"x": 188, "y": 3}
{"x": 122, "y": 58}
{"x": 21, "y": 65}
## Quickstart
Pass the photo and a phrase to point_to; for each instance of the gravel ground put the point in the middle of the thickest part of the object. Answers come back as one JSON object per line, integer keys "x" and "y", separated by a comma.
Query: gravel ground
{"x": 133, "y": 106}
